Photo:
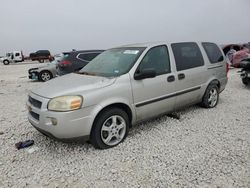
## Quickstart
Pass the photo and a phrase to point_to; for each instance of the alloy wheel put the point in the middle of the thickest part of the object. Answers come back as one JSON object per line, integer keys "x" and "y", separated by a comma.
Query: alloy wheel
{"x": 45, "y": 76}
{"x": 113, "y": 130}
{"x": 213, "y": 97}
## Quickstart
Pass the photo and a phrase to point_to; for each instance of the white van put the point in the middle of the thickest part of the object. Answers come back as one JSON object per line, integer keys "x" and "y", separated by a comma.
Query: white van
{"x": 126, "y": 85}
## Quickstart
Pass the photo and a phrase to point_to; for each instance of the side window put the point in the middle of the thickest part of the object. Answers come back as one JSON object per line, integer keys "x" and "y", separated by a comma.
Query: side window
{"x": 157, "y": 58}
{"x": 187, "y": 55}
{"x": 87, "y": 56}
{"x": 17, "y": 54}
{"x": 213, "y": 52}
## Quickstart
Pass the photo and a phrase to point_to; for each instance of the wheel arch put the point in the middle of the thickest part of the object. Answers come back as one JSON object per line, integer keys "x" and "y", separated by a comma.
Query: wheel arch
{"x": 216, "y": 82}
{"x": 121, "y": 105}
{"x": 45, "y": 70}
{"x": 212, "y": 81}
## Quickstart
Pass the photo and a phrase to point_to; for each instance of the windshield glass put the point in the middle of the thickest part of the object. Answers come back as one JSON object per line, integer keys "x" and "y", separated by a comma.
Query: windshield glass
{"x": 113, "y": 62}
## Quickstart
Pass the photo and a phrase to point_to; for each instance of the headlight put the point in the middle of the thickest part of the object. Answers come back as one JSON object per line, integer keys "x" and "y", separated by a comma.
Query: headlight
{"x": 65, "y": 103}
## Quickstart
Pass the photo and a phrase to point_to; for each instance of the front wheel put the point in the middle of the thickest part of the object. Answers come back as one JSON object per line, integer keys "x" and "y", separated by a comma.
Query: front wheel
{"x": 45, "y": 76}
{"x": 6, "y": 62}
{"x": 211, "y": 96}
{"x": 110, "y": 128}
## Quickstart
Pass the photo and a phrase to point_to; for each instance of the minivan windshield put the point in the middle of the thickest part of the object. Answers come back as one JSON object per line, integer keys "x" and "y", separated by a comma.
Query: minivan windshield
{"x": 113, "y": 62}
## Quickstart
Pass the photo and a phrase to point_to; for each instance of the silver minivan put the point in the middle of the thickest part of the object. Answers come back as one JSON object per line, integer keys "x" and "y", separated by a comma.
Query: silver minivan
{"x": 127, "y": 85}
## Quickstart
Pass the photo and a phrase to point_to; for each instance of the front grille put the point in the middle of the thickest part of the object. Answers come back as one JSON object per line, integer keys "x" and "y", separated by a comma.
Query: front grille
{"x": 35, "y": 103}
{"x": 35, "y": 115}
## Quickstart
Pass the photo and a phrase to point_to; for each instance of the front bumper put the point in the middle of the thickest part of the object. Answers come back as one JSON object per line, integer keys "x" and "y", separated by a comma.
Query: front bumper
{"x": 70, "y": 125}
{"x": 33, "y": 74}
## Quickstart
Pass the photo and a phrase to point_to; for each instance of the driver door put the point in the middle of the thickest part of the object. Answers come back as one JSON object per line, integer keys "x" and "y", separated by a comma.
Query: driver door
{"x": 152, "y": 96}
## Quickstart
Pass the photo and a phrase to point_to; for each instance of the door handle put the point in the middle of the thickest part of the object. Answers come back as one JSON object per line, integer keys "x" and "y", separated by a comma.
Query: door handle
{"x": 181, "y": 76}
{"x": 171, "y": 78}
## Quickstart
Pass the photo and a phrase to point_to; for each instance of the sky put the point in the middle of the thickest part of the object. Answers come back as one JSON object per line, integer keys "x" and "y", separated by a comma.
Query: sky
{"x": 62, "y": 25}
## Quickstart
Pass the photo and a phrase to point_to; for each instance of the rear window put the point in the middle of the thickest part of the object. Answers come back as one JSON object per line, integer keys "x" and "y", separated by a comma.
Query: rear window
{"x": 87, "y": 56}
{"x": 187, "y": 55}
{"x": 213, "y": 52}
{"x": 43, "y": 52}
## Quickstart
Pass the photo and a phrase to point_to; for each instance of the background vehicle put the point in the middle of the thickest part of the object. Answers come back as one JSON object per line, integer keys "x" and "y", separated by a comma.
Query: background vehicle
{"x": 41, "y": 56}
{"x": 13, "y": 57}
{"x": 47, "y": 72}
{"x": 236, "y": 47}
{"x": 76, "y": 60}
{"x": 245, "y": 71}
{"x": 241, "y": 52}
{"x": 126, "y": 85}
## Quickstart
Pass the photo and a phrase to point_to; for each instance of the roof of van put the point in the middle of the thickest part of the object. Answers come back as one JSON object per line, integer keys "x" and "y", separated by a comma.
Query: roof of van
{"x": 149, "y": 44}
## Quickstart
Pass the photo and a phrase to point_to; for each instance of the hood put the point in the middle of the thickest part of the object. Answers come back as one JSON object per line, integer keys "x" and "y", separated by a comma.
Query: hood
{"x": 47, "y": 65}
{"x": 43, "y": 67}
{"x": 2, "y": 58}
{"x": 71, "y": 84}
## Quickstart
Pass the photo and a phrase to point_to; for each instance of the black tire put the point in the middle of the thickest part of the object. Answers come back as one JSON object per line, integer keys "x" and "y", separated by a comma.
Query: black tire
{"x": 41, "y": 60}
{"x": 45, "y": 76}
{"x": 206, "y": 100}
{"x": 6, "y": 62}
{"x": 96, "y": 136}
{"x": 245, "y": 81}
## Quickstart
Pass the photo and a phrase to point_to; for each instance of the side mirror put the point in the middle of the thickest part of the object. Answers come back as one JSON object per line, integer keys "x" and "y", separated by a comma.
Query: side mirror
{"x": 145, "y": 73}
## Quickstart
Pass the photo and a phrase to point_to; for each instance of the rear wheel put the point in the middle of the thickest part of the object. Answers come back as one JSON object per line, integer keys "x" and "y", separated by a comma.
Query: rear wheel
{"x": 45, "y": 76}
{"x": 245, "y": 81}
{"x": 110, "y": 128}
{"x": 6, "y": 62}
{"x": 211, "y": 97}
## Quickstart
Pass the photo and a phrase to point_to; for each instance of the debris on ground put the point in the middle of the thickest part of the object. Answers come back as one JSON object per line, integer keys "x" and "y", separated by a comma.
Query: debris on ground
{"x": 33, "y": 149}
{"x": 175, "y": 115}
{"x": 24, "y": 144}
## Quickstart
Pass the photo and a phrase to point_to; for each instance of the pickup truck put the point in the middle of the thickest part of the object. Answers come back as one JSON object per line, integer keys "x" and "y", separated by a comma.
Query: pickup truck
{"x": 41, "y": 56}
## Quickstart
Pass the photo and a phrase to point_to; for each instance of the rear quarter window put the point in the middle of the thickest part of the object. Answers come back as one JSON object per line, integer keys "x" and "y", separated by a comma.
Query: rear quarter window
{"x": 187, "y": 55}
{"x": 213, "y": 52}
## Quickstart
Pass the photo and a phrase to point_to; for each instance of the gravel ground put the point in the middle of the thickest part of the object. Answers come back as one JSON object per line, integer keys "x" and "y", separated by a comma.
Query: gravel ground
{"x": 205, "y": 148}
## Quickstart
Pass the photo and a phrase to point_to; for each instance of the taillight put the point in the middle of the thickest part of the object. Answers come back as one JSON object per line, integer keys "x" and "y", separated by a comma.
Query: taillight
{"x": 65, "y": 63}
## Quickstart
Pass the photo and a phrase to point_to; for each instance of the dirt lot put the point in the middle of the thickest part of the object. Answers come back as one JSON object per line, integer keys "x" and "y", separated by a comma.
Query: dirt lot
{"x": 205, "y": 148}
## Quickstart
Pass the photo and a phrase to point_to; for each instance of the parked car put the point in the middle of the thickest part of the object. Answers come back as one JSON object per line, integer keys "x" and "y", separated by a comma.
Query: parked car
{"x": 126, "y": 85}
{"x": 41, "y": 56}
{"x": 228, "y": 47}
{"x": 12, "y": 57}
{"x": 245, "y": 71}
{"x": 76, "y": 60}
{"x": 240, "y": 55}
{"x": 239, "y": 52}
{"x": 47, "y": 72}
